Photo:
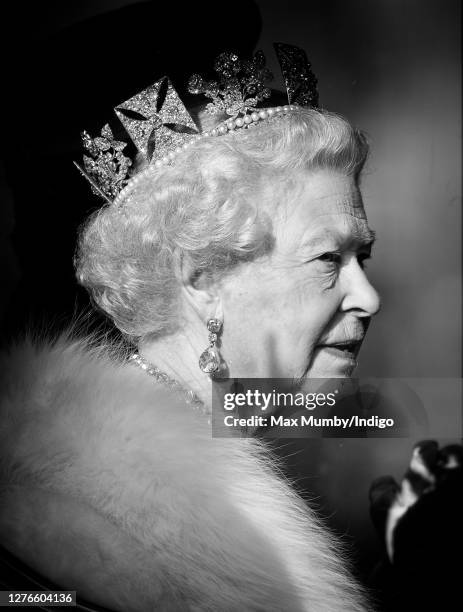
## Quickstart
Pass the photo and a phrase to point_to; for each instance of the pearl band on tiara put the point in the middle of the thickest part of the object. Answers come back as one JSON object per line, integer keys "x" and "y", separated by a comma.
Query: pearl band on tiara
{"x": 227, "y": 127}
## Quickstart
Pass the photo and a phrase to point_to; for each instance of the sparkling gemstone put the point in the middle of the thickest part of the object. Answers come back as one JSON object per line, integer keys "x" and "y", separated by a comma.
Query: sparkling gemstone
{"x": 214, "y": 325}
{"x": 209, "y": 361}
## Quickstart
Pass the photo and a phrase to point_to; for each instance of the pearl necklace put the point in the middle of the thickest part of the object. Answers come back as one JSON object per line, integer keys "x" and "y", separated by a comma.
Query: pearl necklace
{"x": 188, "y": 396}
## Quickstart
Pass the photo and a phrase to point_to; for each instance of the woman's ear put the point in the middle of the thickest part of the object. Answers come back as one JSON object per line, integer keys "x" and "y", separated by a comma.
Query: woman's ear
{"x": 199, "y": 289}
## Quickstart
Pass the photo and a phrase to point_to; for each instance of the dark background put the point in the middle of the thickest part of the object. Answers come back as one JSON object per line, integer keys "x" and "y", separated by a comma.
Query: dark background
{"x": 391, "y": 66}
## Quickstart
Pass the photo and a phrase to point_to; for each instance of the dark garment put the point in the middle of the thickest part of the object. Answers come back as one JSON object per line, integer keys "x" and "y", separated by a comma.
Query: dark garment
{"x": 426, "y": 570}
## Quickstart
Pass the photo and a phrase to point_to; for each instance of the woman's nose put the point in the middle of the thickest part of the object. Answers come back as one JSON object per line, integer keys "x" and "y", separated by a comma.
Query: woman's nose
{"x": 359, "y": 293}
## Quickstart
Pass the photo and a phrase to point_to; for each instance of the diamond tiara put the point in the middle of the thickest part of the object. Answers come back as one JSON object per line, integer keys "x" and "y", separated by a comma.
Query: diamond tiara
{"x": 160, "y": 126}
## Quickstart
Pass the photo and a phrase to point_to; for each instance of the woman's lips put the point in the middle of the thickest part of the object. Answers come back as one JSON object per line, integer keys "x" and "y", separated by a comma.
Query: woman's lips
{"x": 343, "y": 350}
{"x": 335, "y": 359}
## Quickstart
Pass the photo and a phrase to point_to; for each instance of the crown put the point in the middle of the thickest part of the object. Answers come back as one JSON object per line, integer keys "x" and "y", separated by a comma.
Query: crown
{"x": 160, "y": 126}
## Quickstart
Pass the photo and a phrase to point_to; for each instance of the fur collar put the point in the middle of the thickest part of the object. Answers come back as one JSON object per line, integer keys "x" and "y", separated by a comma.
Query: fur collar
{"x": 202, "y": 524}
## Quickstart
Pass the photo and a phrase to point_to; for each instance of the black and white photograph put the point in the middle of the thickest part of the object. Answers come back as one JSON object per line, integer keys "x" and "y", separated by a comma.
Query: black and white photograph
{"x": 230, "y": 317}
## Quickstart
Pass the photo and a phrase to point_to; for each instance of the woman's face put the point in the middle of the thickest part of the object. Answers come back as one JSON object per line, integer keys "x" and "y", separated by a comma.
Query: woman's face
{"x": 303, "y": 311}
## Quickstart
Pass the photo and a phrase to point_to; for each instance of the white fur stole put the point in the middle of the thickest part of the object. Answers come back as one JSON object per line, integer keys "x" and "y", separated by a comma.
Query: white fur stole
{"x": 109, "y": 482}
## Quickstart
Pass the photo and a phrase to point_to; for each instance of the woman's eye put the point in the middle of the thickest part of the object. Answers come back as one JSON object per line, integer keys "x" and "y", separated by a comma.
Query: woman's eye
{"x": 333, "y": 258}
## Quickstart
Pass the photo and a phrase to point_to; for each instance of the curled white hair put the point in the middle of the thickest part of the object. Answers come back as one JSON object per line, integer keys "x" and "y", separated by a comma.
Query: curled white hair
{"x": 209, "y": 209}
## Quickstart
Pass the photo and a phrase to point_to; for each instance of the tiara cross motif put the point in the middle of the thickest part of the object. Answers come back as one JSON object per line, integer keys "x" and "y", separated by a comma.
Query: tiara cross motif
{"x": 155, "y": 120}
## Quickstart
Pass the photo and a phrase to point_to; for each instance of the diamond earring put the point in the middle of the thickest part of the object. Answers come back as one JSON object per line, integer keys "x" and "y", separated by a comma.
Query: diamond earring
{"x": 209, "y": 360}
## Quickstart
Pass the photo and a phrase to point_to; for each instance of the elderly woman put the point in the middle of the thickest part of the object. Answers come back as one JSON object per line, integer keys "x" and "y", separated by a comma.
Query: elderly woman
{"x": 238, "y": 252}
